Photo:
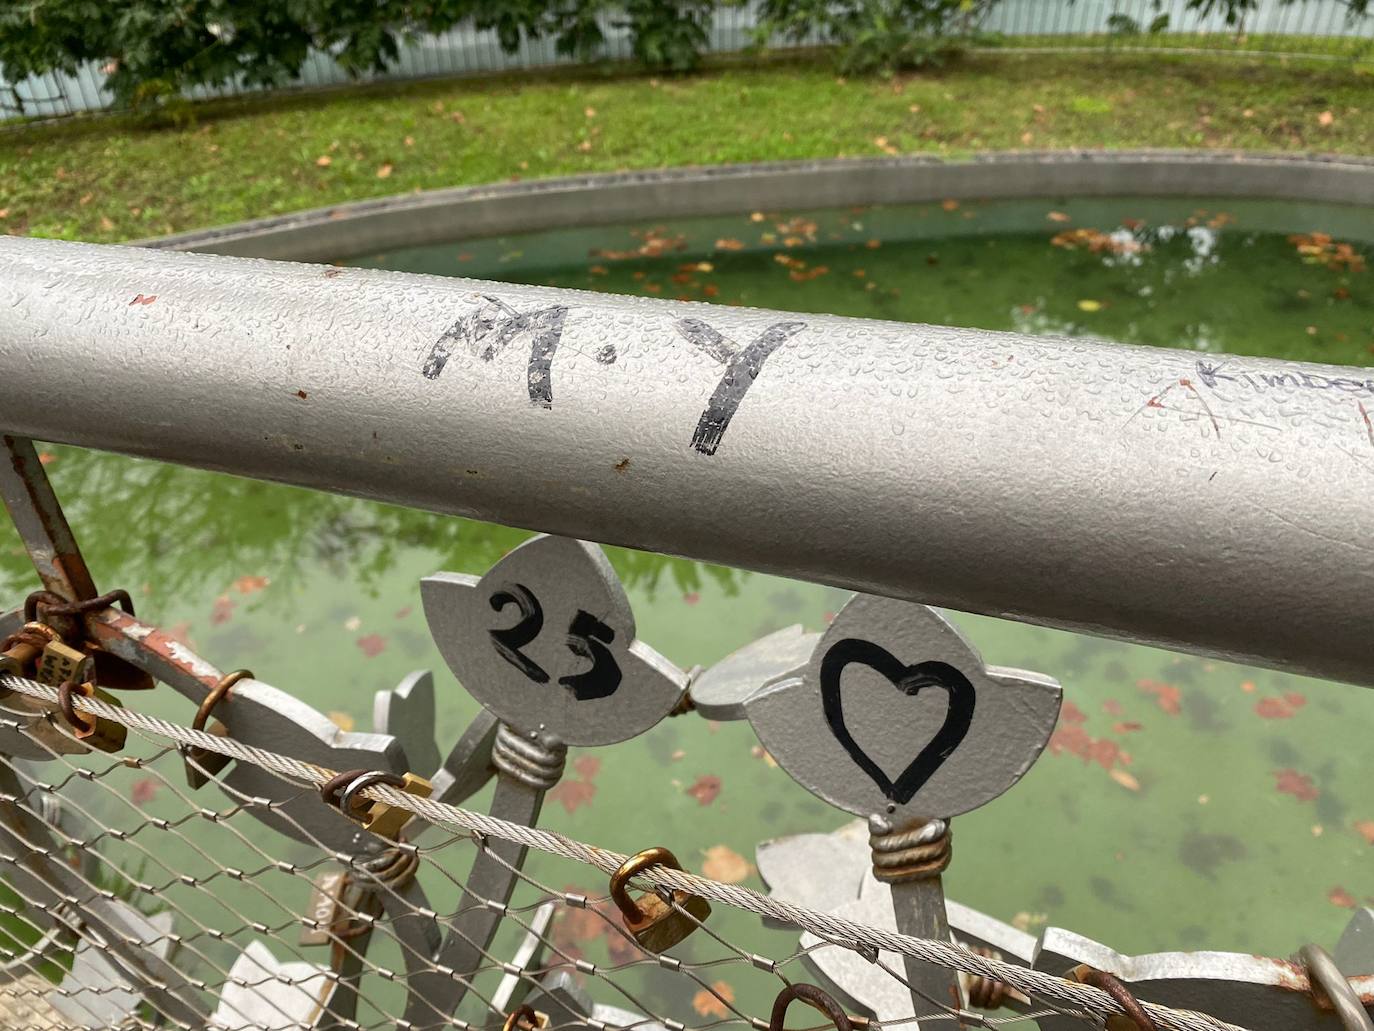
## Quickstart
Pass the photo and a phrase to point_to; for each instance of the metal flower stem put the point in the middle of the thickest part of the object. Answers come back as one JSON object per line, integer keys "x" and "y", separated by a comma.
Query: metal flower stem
{"x": 519, "y": 797}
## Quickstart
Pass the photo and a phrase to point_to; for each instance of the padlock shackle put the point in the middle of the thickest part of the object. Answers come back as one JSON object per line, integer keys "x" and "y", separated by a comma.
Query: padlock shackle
{"x": 637, "y": 863}
{"x": 812, "y": 996}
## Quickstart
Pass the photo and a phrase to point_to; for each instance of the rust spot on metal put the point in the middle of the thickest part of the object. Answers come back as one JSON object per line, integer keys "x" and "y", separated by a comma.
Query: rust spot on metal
{"x": 302, "y": 394}
{"x": 154, "y": 651}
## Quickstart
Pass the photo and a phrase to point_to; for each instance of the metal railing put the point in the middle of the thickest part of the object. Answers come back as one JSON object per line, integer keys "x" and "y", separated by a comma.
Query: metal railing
{"x": 1211, "y": 503}
{"x": 1320, "y": 29}
{"x": 1200, "y": 502}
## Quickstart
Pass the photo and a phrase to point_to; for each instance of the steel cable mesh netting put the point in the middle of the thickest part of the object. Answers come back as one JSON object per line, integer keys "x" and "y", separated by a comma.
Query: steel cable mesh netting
{"x": 136, "y": 904}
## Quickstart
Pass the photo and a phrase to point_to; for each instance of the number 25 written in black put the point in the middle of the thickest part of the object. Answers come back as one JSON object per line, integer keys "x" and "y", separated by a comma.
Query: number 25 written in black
{"x": 587, "y": 638}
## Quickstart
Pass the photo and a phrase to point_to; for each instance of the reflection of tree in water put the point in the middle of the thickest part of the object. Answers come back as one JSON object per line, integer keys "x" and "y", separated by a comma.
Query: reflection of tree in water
{"x": 185, "y": 530}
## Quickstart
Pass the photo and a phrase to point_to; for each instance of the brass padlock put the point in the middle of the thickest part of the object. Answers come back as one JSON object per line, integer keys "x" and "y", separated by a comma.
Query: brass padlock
{"x": 60, "y": 662}
{"x": 201, "y": 763}
{"x": 91, "y": 730}
{"x": 381, "y": 819}
{"x": 653, "y": 923}
{"x": 25, "y": 647}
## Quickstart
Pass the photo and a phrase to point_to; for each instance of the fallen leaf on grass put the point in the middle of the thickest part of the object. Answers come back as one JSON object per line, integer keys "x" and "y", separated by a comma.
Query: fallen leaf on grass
{"x": 1325, "y": 118}
{"x": 324, "y": 161}
{"x": 1089, "y": 305}
{"x": 714, "y": 1003}
{"x": 384, "y": 172}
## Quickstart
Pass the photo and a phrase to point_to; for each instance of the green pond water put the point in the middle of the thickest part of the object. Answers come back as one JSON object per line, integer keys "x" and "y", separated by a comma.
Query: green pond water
{"x": 1185, "y": 803}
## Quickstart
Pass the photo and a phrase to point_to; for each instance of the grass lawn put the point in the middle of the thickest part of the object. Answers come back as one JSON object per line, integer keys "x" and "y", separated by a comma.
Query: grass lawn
{"x": 108, "y": 179}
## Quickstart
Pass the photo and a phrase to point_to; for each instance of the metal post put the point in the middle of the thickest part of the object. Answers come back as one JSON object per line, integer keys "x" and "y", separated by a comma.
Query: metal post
{"x": 1211, "y": 503}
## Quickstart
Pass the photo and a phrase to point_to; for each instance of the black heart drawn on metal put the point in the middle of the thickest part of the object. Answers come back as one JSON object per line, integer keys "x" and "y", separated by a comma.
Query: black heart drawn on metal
{"x": 910, "y": 680}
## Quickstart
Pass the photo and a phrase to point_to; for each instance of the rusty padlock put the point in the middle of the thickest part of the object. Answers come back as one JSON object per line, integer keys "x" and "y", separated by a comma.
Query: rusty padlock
{"x": 201, "y": 763}
{"x": 525, "y": 1018}
{"x": 91, "y": 730}
{"x": 653, "y": 923}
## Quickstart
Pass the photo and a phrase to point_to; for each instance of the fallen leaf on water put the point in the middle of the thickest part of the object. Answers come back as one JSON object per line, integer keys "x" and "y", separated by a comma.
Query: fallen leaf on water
{"x": 1127, "y": 727}
{"x": 1325, "y": 118}
{"x": 759, "y": 752}
{"x": 691, "y": 597}
{"x": 1057, "y": 216}
{"x": 756, "y": 216}
{"x": 573, "y": 794}
{"x": 950, "y": 205}
{"x": 46, "y": 458}
{"x": 705, "y": 789}
{"x": 223, "y": 610}
{"x": 587, "y": 767}
{"x": 144, "y": 790}
{"x": 1071, "y": 713}
{"x": 352, "y": 623}
{"x": 249, "y": 584}
{"x": 575, "y": 924}
{"x": 344, "y": 721}
{"x": 729, "y": 243}
{"x": 1167, "y": 696}
{"x": 1124, "y": 779}
{"x": 1300, "y": 786}
{"x": 1338, "y": 896}
{"x": 372, "y": 644}
{"x": 1089, "y": 305}
{"x": 1365, "y": 829}
{"x": 724, "y": 864}
{"x": 324, "y": 161}
{"x": 714, "y": 1003}
{"x": 384, "y": 172}
{"x": 1276, "y": 708}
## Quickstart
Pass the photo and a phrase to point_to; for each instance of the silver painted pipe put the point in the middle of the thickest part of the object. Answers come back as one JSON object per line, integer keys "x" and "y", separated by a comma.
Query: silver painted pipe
{"x": 1209, "y": 503}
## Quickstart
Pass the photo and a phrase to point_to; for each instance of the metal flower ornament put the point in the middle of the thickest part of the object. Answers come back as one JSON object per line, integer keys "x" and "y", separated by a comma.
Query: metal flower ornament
{"x": 896, "y": 714}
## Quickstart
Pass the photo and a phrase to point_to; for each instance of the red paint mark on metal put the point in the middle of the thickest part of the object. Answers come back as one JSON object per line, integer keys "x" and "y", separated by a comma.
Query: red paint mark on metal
{"x": 143, "y": 299}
